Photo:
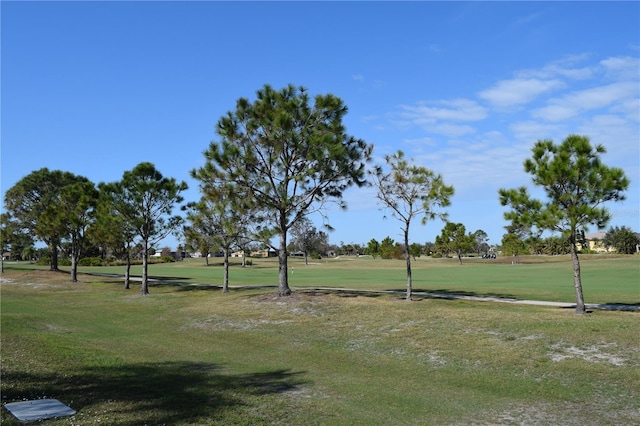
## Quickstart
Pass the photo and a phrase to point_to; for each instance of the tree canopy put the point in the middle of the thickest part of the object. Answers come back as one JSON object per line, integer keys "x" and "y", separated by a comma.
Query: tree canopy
{"x": 577, "y": 185}
{"x": 289, "y": 154}
{"x": 453, "y": 238}
{"x": 623, "y": 239}
{"x": 307, "y": 239}
{"x": 41, "y": 204}
{"x": 145, "y": 199}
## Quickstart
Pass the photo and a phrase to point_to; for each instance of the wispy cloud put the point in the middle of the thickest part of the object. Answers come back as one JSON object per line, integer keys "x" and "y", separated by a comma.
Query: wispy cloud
{"x": 572, "y": 104}
{"x": 622, "y": 67}
{"x": 452, "y": 110}
{"x": 443, "y": 117}
{"x": 530, "y": 131}
{"x": 570, "y": 67}
{"x": 516, "y": 92}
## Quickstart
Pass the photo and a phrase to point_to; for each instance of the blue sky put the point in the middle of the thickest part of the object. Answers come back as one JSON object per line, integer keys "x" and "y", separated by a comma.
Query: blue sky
{"x": 464, "y": 88}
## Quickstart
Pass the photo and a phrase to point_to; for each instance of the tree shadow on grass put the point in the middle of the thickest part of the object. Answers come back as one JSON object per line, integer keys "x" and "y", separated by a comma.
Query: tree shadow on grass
{"x": 151, "y": 393}
{"x": 616, "y": 306}
{"x": 459, "y": 294}
{"x": 338, "y": 292}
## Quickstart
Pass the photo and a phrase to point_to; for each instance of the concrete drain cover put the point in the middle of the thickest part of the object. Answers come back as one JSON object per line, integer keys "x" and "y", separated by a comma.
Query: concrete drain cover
{"x": 38, "y": 409}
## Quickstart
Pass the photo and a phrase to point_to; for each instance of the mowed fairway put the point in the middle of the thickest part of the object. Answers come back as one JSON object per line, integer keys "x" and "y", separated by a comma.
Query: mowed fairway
{"x": 190, "y": 355}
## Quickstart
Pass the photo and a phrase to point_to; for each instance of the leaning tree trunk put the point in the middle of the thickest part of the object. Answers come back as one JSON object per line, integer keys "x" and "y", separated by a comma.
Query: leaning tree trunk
{"x": 283, "y": 277}
{"x": 225, "y": 280}
{"x": 577, "y": 281}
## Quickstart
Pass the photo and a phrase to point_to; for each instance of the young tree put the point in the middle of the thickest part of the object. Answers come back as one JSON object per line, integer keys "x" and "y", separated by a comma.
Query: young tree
{"x": 577, "y": 185}
{"x": 387, "y": 248}
{"x": 512, "y": 245}
{"x": 220, "y": 219}
{"x": 454, "y": 239}
{"x": 144, "y": 199}
{"x": 623, "y": 239}
{"x": 415, "y": 249}
{"x": 410, "y": 191}
{"x": 306, "y": 238}
{"x": 289, "y": 156}
{"x": 480, "y": 239}
{"x": 197, "y": 240}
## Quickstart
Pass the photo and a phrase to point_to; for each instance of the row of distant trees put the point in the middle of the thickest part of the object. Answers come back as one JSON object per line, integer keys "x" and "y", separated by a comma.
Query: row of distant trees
{"x": 68, "y": 211}
{"x": 280, "y": 159}
{"x": 622, "y": 240}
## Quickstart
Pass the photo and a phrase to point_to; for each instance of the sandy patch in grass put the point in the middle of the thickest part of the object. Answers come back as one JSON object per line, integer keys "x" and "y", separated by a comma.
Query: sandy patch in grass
{"x": 598, "y": 412}
{"x": 221, "y": 324}
{"x": 602, "y": 353}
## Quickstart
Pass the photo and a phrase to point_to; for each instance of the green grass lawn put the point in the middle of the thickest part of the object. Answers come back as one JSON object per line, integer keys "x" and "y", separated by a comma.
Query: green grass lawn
{"x": 605, "y": 279}
{"x": 247, "y": 357}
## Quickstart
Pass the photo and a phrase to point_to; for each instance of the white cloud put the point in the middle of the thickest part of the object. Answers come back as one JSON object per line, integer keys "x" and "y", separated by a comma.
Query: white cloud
{"x": 617, "y": 135}
{"x": 556, "y": 112}
{"x": 420, "y": 142}
{"x": 515, "y": 92}
{"x": 531, "y": 131}
{"x": 453, "y": 110}
{"x": 577, "y": 102}
{"x": 568, "y": 67}
{"x": 622, "y": 67}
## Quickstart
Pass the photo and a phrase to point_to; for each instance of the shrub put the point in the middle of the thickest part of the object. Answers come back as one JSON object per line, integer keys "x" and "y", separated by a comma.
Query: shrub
{"x": 91, "y": 261}
{"x": 44, "y": 260}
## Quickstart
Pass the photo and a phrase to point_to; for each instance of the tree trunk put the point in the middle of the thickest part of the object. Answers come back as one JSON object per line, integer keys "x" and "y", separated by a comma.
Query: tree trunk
{"x": 225, "y": 280}
{"x": 74, "y": 268}
{"x": 577, "y": 281}
{"x": 53, "y": 246}
{"x": 75, "y": 257}
{"x": 127, "y": 271}
{"x": 459, "y": 257}
{"x": 408, "y": 259}
{"x": 145, "y": 266}
{"x": 306, "y": 258}
{"x": 283, "y": 277}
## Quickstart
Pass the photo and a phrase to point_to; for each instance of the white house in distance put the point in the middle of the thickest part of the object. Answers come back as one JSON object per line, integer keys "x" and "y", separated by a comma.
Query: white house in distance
{"x": 595, "y": 243}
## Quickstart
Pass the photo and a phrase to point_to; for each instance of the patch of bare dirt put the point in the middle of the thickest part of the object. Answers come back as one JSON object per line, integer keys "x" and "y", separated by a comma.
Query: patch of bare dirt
{"x": 293, "y": 298}
{"x": 37, "y": 278}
